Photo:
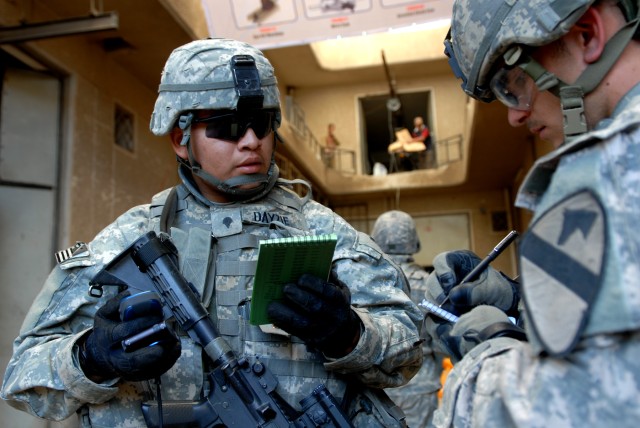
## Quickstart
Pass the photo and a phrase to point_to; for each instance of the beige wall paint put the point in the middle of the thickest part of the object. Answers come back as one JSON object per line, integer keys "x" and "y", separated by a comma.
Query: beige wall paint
{"x": 100, "y": 179}
{"x": 477, "y": 205}
{"x": 339, "y": 105}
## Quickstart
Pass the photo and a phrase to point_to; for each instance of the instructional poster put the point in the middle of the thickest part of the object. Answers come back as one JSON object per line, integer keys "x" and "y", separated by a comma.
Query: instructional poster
{"x": 275, "y": 23}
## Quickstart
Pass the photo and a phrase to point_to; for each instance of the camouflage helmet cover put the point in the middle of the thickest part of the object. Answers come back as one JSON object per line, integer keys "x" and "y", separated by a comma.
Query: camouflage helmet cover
{"x": 199, "y": 76}
{"x": 395, "y": 232}
{"x": 483, "y": 30}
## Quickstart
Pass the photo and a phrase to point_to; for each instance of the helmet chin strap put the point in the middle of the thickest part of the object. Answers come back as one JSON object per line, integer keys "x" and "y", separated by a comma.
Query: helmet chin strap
{"x": 572, "y": 96}
{"x": 230, "y": 187}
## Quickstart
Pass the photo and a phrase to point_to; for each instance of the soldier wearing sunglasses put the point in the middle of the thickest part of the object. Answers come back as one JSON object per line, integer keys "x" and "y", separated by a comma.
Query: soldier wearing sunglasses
{"x": 569, "y": 71}
{"x": 219, "y": 105}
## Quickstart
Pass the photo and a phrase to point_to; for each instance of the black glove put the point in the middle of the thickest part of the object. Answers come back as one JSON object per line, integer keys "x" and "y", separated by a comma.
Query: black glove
{"x": 480, "y": 324}
{"x": 489, "y": 288}
{"x": 102, "y": 355}
{"x": 319, "y": 313}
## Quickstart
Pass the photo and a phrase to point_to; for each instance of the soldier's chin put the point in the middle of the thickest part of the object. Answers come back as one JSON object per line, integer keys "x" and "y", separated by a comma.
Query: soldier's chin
{"x": 249, "y": 186}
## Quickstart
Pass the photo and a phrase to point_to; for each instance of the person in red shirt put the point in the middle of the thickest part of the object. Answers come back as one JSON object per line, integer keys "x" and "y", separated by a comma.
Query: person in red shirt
{"x": 421, "y": 133}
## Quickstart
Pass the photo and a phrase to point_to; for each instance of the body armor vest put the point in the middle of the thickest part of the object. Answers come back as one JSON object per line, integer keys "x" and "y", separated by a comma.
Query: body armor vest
{"x": 218, "y": 251}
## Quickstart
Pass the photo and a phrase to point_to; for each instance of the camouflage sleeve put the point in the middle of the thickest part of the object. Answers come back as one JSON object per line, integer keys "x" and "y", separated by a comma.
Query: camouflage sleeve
{"x": 503, "y": 383}
{"x": 389, "y": 352}
{"x": 43, "y": 376}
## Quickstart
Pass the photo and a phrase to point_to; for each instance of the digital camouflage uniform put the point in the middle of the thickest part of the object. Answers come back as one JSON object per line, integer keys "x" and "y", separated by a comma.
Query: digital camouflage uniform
{"x": 396, "y": 234}
{"x": 217, "y": 245}
{"x": 504, "y": 382}
{"x": 580, "y": 262}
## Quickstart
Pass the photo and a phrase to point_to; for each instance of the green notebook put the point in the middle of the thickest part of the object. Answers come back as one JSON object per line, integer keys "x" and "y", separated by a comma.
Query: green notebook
{"x": 284, "y": 260}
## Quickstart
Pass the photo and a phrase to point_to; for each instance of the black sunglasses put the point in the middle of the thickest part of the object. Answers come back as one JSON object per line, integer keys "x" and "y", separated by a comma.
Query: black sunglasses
{"x": 232, "y": 126}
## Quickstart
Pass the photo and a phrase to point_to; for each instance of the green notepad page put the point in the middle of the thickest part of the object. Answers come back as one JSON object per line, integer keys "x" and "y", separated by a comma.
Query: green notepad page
{"x": 284, "y": 260}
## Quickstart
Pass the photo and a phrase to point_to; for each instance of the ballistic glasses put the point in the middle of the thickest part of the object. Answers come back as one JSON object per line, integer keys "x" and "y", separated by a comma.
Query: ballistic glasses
{"x": 231, "y": 125}
{"x": 514, "y": 88}
{"x": 517, "y": 82}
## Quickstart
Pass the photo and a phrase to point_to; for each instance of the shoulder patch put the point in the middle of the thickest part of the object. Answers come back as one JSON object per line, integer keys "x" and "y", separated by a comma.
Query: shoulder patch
{"x": 562, "y": 261}
{"x": 76, "y": 255}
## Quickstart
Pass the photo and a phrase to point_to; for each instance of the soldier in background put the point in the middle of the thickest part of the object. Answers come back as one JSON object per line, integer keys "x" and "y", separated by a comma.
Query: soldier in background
{"x": 395, "y": 232}
{"x": 568, "y": 70}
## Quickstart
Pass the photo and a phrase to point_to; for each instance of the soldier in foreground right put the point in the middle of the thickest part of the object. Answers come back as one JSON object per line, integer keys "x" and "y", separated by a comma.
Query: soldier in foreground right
{"x": 569, "y": 70}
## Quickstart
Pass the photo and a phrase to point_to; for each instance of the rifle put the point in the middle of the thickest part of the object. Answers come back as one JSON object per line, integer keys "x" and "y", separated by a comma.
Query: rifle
{"x": 241, "y": 393}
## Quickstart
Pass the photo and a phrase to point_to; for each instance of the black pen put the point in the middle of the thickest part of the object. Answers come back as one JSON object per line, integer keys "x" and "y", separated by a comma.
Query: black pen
{"x": 475, "y": 272}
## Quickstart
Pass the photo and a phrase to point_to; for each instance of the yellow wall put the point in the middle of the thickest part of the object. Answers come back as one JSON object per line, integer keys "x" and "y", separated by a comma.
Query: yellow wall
{"x": 339, "y": 105}
{"x": 477, "y": 205}
{"x": 99, "y": 179}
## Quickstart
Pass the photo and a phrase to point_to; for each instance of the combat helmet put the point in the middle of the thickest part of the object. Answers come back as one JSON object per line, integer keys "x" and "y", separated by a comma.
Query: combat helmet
{"x": 216, "y": 74}
{"x": 395, "y": 232}
{"x": 485, "y": 34}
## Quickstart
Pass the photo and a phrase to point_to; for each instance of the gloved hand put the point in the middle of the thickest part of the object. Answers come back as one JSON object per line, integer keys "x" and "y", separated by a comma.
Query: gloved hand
{"x": 480, "y": 324}
{"x": 489, "y": 288}
{"x": 319, "y": 313}
{"x": 103, "y": 357}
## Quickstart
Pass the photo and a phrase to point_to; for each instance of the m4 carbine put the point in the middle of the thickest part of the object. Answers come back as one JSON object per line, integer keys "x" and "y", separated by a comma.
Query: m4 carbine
{"x": 242, "y": 393}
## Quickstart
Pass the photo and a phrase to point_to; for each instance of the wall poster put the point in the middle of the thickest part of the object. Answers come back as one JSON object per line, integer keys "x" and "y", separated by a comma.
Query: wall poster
{"x": 276, "y": 23}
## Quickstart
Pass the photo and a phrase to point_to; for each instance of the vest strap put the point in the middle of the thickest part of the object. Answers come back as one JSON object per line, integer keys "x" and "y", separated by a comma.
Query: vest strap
{"x": 236, "y": 242}
{"x": 236, "y": 268}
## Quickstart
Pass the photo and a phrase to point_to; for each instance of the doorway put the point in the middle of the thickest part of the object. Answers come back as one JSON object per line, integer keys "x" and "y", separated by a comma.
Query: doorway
{"x": 379, "y": 124}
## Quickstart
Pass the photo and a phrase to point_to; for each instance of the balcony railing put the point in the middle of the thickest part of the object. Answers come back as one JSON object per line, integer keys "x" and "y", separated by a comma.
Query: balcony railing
{"x": 448, "y": 150}
{"x": 442, "y": 152}
{"x": 342, "y": 160}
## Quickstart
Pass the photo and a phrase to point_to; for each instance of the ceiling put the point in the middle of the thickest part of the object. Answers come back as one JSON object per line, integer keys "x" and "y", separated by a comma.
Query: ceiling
{"x": 413, "y": 53}
{"x": 298, "y": 66}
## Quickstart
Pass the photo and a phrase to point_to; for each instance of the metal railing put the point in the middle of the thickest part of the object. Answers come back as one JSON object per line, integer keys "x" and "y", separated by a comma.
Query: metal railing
{"x": 448, "y": 150}
{"x": 342, "y": 160}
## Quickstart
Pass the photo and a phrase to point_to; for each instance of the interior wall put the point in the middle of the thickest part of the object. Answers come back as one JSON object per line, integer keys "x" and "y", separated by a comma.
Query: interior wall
{"x": 113, "y": 178}
{"x": 103, "y": 180}
{"x": 339, "y": 105}
{"x": 479, "y": 206}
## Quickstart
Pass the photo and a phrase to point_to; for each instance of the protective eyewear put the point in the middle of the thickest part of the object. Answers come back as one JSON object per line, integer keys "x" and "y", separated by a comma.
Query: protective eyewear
{"x": 232, "y": 126}
{"x": 514, "y": 88}
{"x": 517, "y": 82}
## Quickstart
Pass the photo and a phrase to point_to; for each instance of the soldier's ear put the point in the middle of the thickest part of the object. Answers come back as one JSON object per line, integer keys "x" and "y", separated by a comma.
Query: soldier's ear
{"x": 592, "y": 34}
{"x": 176, "y": 138}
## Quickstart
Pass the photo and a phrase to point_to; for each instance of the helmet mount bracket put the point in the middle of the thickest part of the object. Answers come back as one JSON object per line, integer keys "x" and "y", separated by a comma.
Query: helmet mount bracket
{"x": 247, "y": 82}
